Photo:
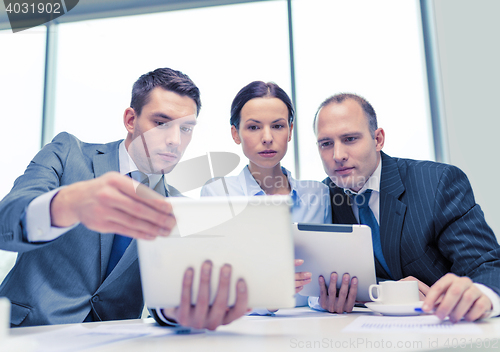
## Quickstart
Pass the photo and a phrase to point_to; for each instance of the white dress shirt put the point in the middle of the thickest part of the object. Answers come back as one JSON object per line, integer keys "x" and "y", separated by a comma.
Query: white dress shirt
{"x": 311, "y": 199}
{"x": 373, "y": 183}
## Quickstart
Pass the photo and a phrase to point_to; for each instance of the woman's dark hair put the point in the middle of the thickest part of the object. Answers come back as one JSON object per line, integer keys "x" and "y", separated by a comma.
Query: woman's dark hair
{"x": 259, "y": 89}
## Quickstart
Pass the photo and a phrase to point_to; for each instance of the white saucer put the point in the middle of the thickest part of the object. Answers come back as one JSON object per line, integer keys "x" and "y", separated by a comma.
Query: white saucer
{"x": 395, "y": 309}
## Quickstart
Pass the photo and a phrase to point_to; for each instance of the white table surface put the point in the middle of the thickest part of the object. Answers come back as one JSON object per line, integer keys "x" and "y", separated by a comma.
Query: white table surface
{"x": 299, "y": 329}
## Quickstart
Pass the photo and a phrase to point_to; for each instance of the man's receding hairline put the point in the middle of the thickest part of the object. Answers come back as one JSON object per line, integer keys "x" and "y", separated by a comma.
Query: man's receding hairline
{"x": 340, "y": 103}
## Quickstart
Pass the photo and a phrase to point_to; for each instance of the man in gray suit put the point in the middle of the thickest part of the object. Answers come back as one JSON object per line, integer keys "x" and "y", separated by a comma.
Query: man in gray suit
{"x": 429, "y": 227}
{"x": 72, "y": 214}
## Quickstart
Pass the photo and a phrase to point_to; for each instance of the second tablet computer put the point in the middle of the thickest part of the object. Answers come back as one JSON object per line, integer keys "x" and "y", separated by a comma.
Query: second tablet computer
{"x": 329, "y": 248}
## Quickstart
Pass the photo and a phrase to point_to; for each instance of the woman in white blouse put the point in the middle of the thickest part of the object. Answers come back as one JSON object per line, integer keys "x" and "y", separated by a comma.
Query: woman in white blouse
{"x": 262, "y": 122}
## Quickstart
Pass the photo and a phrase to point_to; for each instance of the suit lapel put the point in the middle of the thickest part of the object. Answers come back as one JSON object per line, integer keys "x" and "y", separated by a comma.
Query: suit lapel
{"x": 106, "y": 159}
{"x": 341, "y": 206}
{"x": 128, "y": 258}
{"x": 392, "y": 213}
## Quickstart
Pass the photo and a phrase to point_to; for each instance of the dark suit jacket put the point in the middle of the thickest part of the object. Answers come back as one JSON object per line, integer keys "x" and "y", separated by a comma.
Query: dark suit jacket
{"x": 430, "y": 223}
{"x": 61, "y": 281}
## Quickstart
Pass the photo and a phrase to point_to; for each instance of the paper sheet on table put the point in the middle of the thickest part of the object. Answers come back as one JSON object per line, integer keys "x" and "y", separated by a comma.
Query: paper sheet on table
{"x": 80, "y": 337}
{"x": 423, "y": 323}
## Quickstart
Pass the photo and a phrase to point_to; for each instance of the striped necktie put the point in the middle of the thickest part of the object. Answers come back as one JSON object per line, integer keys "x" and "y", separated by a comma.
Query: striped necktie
{"x": 366, "y": 217}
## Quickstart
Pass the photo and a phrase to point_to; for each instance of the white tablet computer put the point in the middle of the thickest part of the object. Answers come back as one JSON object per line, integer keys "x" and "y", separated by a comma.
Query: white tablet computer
{"x": 253, "y": 234}
{"x": 327, "y": 248}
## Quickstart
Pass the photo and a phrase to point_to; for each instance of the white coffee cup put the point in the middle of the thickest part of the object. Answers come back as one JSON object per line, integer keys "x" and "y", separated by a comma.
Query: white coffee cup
{"x": 4, "y": 318}
{"x": 395, "y": 292}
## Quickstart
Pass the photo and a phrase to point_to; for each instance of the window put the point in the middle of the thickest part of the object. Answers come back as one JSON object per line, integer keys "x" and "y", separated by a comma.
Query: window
{"x": 221, "y": 48}
{"x": 371, "y": 48}
{"x": 21, "y": 89}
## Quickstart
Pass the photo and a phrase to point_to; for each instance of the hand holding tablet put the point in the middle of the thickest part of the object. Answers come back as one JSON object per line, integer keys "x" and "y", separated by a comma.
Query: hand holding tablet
{"x": 330, "y": 251}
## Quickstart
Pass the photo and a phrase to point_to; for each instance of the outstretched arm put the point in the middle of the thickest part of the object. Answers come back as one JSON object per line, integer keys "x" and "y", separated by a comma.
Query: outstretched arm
{"x": 113, "y": 203}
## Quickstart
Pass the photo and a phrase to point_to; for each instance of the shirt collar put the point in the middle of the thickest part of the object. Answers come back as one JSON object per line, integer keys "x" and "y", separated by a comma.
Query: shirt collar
{"x": 373, "y": 182}
{"x": 248, "y": 183}
{"x": 291, "y": 181}
{"x": 127, "y": 165}
{"x": 252, "y": 188}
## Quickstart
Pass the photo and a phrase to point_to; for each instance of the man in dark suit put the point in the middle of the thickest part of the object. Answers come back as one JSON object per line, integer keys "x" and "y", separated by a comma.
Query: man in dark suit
{"x": 64, "y": 214}
{"x": 430, "y": 228}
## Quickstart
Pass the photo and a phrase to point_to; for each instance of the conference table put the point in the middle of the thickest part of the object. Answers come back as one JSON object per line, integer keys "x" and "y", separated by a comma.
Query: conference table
{"x": 297, "y": 329}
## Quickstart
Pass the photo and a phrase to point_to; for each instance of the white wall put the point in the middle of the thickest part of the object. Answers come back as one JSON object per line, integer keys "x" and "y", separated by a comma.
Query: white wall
{"x": 468, "y": 33}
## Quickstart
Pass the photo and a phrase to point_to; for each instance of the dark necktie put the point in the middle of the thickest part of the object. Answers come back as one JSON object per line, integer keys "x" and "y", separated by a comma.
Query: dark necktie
{"x": 366, "y": 217}
{"x": 120, "y": 243}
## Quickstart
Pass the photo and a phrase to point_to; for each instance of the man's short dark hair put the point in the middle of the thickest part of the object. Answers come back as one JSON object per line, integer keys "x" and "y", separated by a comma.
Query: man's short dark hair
{"x": 259, "y": 89}
{"x": 168, "y": 79}
{"x": 365, "y": 105}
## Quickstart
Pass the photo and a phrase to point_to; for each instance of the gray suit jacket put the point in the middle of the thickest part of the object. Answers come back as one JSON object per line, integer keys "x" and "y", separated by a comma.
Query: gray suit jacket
{"x": 61, "y": 281}
{"x": 430, "y": 224}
